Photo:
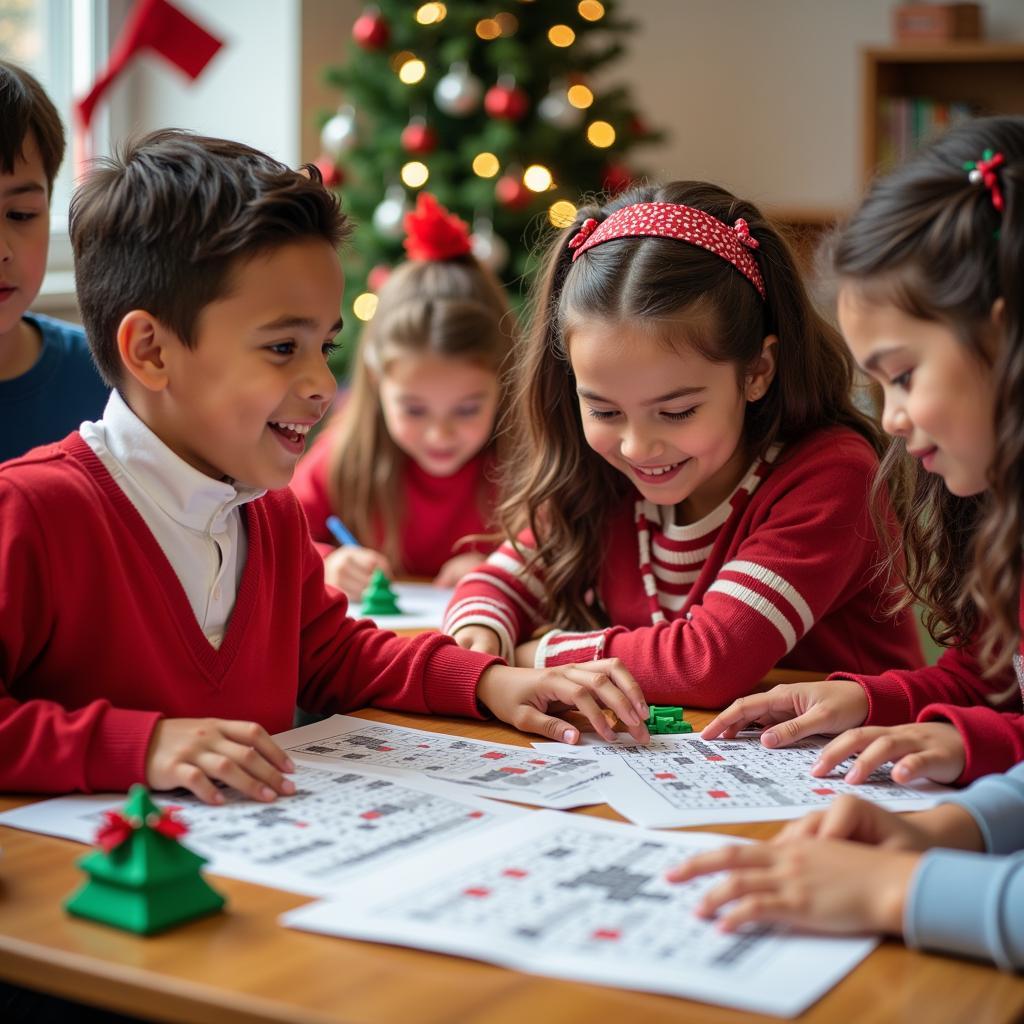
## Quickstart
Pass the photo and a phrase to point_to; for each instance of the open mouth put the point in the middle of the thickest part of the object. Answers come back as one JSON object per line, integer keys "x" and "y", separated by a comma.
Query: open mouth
{"x": 291, "y": 435}
{"x": 658, "y": 474}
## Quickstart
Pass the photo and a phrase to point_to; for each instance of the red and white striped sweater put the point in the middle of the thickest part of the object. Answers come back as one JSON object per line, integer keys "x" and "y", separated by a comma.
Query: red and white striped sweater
{"x": 781, "y": 573}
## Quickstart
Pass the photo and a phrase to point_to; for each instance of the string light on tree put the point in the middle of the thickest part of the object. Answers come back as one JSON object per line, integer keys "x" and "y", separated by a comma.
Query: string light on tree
{"x": 364, "y": 306}
{"x": 458, "y": 93}
{"x": 431, "y": 14}
{"x": 486, "y": 165}
{"x": 600, "y": 134}
{"x": 412, "y": 71}
{"x": 371, "y": 30}
{"x": 507, "y": 23}
{"x": 590, "y": 10}
{"x": 537, "y": 178}
{"x": 561, "y": 36}
{"x": 415, "y": 174}
{"x": 561, "y": 213}
{"x": 579, "y": 96}
{"x": 488, "y": 29}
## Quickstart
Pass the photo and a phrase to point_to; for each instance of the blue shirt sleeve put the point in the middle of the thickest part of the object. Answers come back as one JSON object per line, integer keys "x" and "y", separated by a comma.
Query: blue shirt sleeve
{"x": 972, "y": 903}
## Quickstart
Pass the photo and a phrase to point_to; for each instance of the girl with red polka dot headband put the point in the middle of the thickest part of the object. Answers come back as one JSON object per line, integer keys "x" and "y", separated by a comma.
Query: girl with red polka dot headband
{"x": 688, "y": 476}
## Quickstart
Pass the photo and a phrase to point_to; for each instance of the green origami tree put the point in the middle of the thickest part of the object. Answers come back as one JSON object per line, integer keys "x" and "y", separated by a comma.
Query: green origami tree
{"x": 501, "y": 108}
{"x": 142, "y": 879}
{"x": 378, "y": 597}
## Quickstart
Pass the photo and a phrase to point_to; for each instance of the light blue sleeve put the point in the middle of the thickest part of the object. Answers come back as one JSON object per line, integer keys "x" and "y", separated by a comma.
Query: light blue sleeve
{"x": 972, "y": 903}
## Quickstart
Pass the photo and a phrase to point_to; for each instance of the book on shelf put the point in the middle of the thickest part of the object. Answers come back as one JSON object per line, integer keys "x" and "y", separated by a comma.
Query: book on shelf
{"x": 905, "y": 123}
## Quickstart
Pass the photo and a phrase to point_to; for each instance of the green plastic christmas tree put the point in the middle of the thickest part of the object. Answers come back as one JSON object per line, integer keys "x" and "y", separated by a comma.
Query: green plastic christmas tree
{"x": 503, "y": 110}
{"x": 378, "y": 597}
{"x": 142, "y": 879}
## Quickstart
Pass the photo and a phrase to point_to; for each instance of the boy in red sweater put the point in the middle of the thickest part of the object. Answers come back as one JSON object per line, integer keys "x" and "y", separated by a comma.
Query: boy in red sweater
{"x": 162, "y": 608}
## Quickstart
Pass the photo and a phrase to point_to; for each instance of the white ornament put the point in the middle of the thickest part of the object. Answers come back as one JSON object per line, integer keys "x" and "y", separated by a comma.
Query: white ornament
{"x": 338, "y": 135}
{"x": 390, "y": 213}
{"x": 557, "y": 111}
{"x": 458, "y": 93}
{"x": 487, "y": 246}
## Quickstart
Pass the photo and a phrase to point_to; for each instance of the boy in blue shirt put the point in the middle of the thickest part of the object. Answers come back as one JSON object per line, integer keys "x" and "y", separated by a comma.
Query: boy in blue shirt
{"x": 48, "y": 382}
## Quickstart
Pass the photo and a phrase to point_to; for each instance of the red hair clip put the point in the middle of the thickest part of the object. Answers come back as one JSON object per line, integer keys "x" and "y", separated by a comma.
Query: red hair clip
{"x": 983, "y": 172}
{"x": 432, "y": 233}
{"x": 587, "y": 228}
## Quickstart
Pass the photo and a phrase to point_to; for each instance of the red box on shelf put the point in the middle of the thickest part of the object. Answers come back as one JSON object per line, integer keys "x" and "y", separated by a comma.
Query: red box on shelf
{"x": 936, "y": 23}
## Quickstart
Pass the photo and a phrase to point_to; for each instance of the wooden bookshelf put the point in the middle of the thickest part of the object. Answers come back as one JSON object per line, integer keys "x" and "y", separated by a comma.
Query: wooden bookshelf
{"x": 989, "y": 76}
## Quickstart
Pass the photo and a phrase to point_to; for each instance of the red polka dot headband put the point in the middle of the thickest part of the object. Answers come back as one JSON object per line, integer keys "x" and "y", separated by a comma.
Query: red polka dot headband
{"x": 673, "y": 220}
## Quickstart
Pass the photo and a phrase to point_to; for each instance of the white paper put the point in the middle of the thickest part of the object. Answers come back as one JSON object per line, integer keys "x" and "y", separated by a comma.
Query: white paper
{"x": 574, "y": 897}
{"x": 340, "y": 824}
{"x": 497, "y": 770}
{"x": 422, "y": 605}
{"x": 687, "y": 780}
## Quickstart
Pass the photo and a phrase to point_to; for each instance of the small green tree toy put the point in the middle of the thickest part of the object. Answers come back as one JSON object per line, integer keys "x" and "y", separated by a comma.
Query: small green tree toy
{"x": 378, "y": 598}
{"x": 142, "y": 879}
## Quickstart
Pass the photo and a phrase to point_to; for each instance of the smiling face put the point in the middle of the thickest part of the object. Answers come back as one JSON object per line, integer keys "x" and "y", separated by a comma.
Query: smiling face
{"x": 938, "y": 397}
{"x": 661, "y": 413}
{"x": 239, "y": 404}
{"x": 439, "y": 410}
{"x": 24, "y": 236}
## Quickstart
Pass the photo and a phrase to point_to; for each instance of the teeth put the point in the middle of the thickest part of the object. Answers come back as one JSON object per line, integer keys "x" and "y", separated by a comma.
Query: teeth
{"x": 656, "y": 470}
{"x": 298, "y": 428}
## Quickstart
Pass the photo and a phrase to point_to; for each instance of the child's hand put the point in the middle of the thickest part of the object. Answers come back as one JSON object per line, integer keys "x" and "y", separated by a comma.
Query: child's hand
{"x": 818, "y": 884}
{"x": 350, "y": 569}
{"x": 795, "y": 710}
{"x": 849, "y": 817}
{"x": 197, "y": 752}
{"x": 455, "y": 568}
{"x": 923, "y": 750}
{"x": 478, "y": 638}
{"x": 521, "y": 697}
{"x": 526, "y": 654}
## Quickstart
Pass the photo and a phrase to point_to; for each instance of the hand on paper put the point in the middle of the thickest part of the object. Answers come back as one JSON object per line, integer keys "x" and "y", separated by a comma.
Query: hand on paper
{"x": 921, "y": 750}
{"x": 525, "y": 697}
{"x": 849, "y": 817}
{"x": 793, "y": 711}
{"x": 196, "y": 753}
{"x": 821, "y": 885}
{"x": 350, "y": 569}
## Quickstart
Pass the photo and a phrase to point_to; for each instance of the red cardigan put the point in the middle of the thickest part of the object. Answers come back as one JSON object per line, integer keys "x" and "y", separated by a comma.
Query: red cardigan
{"x": 98, "y": 641}
{"x": 782, "y": 573}
{"x": 438, "y": 514}
{"x": 986, "y": 712}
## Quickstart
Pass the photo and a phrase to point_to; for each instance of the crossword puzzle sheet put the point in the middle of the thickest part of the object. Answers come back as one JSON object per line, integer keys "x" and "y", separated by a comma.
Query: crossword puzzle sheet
{"x": 340, "y": 823}
{"x": 486, "y": 769}
{"x": 686, "y": 780}
{"x": 576, "y": 897}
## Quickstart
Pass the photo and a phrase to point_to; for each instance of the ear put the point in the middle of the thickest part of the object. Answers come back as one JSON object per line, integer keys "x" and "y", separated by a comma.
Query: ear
{"x": 760, "y": 376}
{"x": 996, "y": 333}
{"x": 142, "y": 341}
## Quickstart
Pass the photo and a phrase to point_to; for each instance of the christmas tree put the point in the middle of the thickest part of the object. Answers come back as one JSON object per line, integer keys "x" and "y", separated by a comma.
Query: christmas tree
{"x": 378, "y": 598}
{"x": 494, "y": 108}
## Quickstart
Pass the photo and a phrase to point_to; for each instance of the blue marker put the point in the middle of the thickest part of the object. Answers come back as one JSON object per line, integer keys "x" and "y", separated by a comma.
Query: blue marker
{"x": 341, "y": 532}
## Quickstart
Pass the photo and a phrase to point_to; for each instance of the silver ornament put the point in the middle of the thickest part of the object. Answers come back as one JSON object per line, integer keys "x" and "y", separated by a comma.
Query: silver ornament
{"x": 557, "y": 111}
{"x": 339, "y": 134}
{"x": 458, "y": 93}
{"x": 390, "y": 213}
{"x": 487, "y": 246}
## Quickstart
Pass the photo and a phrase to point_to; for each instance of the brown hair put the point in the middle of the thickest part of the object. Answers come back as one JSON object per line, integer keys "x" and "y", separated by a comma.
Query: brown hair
{"x": 557, "y": 485}
{"x": 26, "y": 109}
{"x": 163, "y": 225}
{"x": 930, "y": 242}
{"x": 454, "y": 308}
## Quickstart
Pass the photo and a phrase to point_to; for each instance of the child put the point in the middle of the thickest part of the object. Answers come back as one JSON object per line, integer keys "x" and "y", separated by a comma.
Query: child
{"x": 930, "y": 302}
{"x": 48, "y": 383}
{"x": 930, "y": 305}
{"x": 162, "y": 607}
{"x": 692, "y": 471}
{"x": 409, "y": 467}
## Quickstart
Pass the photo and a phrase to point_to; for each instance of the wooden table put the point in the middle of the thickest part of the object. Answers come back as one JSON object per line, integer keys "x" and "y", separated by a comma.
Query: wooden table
{"x": 242, "y": 966}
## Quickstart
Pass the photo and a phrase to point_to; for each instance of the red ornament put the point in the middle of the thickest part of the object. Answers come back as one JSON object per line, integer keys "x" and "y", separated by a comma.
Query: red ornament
{"x": 638, "y": 127}
{"x": 507, "y": 102}
{"x": 376, "y": 278}
{"x": 371, "y": 30}
{"x": 616, "y": 178}
{"x": 331, "y": 173}
{"x": 418, "y": 138}
{"x": 510, "y": 191}
{"x": 432, "y": 233}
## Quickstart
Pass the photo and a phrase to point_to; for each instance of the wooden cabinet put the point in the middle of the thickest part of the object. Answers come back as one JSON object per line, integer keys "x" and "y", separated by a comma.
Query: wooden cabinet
{"x": 987, "y": 77}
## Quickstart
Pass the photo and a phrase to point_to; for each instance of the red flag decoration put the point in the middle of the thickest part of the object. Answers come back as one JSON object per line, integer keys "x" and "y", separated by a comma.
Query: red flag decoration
{"x": 159, "y": 26}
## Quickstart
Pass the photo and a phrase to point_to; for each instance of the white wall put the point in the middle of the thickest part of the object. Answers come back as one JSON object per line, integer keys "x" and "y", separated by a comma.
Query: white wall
{"x": 763, "y": 96}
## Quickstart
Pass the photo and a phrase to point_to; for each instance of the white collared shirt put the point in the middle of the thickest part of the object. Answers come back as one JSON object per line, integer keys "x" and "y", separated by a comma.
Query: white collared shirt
{"x": 195, "y": 519}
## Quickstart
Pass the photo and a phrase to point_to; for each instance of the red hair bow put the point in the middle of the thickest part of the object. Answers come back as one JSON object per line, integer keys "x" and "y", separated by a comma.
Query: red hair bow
{"x": 983, "y": 172}
{"x": 587, "y": 228}
{"x": 742, "y": 229}
{"x": 432, "y": 233}
{"x": 116, "y": 828}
